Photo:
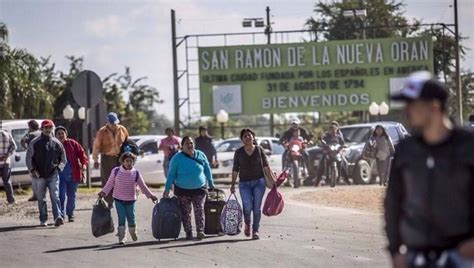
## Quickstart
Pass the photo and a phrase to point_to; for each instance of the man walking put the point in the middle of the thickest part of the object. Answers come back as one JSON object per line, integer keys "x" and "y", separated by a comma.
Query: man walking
{"x": 107, "y": 143}
{"x": 33, "y": 132}
{"x": 429, "y": 205}
{"x": 205, "y": 145}
{"x": 45, "y": 158}
{"x": 7, "y": 148}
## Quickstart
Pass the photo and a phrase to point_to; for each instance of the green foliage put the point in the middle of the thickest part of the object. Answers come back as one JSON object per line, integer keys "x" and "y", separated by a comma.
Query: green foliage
{"x": 330, "y": 24}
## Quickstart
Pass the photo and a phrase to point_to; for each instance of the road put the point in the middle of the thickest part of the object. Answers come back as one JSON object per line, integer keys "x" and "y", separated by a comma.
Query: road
{"x": 302, "y": 236}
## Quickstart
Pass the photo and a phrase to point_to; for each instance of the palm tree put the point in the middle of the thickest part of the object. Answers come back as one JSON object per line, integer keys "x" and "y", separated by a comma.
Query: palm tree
{"x": 3, "y": 32}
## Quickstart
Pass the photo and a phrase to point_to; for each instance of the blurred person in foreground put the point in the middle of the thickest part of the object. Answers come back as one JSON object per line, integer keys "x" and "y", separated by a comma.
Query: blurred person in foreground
{"x": 429, "y": 205}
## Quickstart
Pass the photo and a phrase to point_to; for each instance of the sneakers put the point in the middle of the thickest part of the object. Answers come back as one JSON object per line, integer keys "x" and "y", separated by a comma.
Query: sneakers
{"x": 255, "y": 236}
{"x": 32, "y": 199}
{"x": 44, "y": 223}
{"x": 247, "y": 230}
{"x": 58, "y": 222}
{"x": 70, "y": 218}
{"x": 201, "y": 236}
{"x": 189, "y": 236}
{"x": 121, "y": 235}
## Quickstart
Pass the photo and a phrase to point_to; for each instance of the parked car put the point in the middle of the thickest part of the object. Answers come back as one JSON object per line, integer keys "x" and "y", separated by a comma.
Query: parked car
{"x": 149, "y": 162}
{"x": 355, "y": 136}
{"x": 18, "y": 129}
{"x": 226, "y": 149}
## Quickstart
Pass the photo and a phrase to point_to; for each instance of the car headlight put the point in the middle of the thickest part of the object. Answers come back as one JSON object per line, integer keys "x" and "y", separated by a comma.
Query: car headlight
{"x": 227, "y": 163}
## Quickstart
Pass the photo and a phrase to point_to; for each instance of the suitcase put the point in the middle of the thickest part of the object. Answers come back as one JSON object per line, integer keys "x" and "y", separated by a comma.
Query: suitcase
{"x": 166, "y": 219}
{"x": 213, "y": 207}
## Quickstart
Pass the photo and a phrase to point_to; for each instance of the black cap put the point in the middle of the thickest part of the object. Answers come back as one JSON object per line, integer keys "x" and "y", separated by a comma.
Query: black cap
{"x": 421, "y": 85}
{"x": 58, "y": 128}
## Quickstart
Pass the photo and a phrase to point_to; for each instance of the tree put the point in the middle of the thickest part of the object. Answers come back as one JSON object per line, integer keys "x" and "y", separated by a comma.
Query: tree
{"x": 330, "y": 24}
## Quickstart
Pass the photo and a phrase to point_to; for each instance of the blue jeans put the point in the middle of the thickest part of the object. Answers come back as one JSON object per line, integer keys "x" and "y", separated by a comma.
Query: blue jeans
{"x": 52, "y": 184}
{"x": 252, "y": 194}
{"x": 125, "y": 212}
{"x": 67, "y": 187}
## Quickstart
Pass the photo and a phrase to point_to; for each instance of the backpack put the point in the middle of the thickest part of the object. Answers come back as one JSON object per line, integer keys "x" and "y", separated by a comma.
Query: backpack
{"x": 129, "y": 146}
{"x": 231, "y": 217}
{"x": 173, "y": 151}
{"x": 116, "y": 170}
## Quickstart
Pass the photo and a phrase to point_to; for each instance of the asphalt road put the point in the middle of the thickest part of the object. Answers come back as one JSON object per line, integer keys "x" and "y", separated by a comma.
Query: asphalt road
{"x": 302, "y": 236}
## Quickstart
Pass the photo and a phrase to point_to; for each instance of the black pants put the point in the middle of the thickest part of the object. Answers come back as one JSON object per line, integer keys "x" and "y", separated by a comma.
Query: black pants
{"x": 7, "y": 182}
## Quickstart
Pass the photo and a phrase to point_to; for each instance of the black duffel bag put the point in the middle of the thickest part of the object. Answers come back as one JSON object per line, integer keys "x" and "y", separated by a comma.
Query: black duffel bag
{"x": 101, "y": 220}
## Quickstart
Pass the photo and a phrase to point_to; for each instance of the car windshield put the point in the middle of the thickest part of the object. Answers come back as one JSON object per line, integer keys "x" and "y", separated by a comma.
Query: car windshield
{"x": 229, "y": 146}
{"x": 356, "y": 134}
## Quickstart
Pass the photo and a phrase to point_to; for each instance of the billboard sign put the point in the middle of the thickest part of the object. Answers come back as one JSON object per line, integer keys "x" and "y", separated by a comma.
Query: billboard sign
{"x": 307, "y": 77}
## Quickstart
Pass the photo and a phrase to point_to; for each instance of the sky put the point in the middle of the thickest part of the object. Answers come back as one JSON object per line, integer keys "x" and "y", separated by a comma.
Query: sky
{"x": 112, "y": 34}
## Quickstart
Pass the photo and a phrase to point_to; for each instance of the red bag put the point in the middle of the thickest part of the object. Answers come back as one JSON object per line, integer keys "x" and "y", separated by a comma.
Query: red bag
{"x": 274, "y": 203}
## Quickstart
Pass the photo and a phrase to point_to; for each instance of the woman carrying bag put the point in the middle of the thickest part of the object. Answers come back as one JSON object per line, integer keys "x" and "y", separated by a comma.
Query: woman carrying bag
{"x": 190, "y": 174}
{"x": 250, "y": 163}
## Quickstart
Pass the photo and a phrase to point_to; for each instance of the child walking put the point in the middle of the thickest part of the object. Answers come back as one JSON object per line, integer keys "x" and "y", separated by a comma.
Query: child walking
{"x": 124, "y": 180}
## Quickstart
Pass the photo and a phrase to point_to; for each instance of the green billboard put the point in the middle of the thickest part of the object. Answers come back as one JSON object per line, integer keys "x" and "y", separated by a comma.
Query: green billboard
{"x": 307, "y": 77}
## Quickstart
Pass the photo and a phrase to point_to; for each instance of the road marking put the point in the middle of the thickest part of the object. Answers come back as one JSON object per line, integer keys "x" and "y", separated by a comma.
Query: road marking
{"x": 362, "y": 259}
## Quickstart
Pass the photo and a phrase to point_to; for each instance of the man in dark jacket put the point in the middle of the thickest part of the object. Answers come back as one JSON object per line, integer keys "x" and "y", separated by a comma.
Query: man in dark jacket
{"x": 429, "y": 205}
{"x": 204, "y": 144}
{"x": 296, "y": 125}
{"x": 33, "y": 132}
{"x": 45, "y": 158}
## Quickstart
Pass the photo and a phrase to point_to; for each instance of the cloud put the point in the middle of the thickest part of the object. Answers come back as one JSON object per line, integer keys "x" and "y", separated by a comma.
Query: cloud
{"x": 111, "y": 26}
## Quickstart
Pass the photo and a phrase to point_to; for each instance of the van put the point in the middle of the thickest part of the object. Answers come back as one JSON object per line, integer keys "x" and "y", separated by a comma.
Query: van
{"x": 18, "y": 129}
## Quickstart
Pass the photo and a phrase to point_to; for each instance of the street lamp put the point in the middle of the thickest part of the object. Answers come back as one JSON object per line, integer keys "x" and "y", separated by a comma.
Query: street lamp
{"x": 81, "y": 113}
{"x": 68, "y": 112}
{"x": 222, "y": 117}
{"x": 377, "y": 110}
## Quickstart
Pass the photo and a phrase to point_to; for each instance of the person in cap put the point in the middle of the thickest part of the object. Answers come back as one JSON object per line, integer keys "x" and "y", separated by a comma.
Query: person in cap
{"x": 205, "y": 144}
{"x": 45, "y": 159}
{"x": 72, "y": 174}
{"x": 7, "y": 148}
{"x": 33, "y": 132}
{"x": 429, "y": 204}
{"x": 107, "y": 143}
{"x": 286, "y": 137}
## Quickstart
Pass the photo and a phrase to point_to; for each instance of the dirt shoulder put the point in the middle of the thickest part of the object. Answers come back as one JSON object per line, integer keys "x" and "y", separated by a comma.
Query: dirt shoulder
{"x": 367, "y": 198}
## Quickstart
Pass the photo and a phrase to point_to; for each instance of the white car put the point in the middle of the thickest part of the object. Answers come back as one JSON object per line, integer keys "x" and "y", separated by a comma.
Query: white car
{"x": 226, "y": 149}
{"x": 149, "y": 163}
{"x": 19, "y": 171}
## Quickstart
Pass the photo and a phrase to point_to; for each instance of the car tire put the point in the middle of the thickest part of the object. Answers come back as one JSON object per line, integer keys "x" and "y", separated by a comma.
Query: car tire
{"x": 363, "y": 173}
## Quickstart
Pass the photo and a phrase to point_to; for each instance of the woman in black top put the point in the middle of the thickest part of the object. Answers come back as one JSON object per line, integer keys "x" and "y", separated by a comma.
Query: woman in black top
{"x": 250, "y": 163}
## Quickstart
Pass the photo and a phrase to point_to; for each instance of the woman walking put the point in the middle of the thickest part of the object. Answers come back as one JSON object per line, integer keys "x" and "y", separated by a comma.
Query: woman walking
{"x": 72, "y": 173}
{"x": 190, "y": 173}
{"x": 380, "y": 147}
{"x": 250, "y": 163}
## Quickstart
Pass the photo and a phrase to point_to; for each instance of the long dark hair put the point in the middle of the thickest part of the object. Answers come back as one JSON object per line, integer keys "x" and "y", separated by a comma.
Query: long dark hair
{"x": 185, "y": 139}
{"x": 248, "y": 130}
{"x": 385, "y": 134}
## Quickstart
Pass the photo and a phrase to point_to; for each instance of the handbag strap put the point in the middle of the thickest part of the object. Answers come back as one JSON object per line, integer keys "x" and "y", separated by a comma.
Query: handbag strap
{"x": 236, "y": 199}
{"x": 193, "y": 158}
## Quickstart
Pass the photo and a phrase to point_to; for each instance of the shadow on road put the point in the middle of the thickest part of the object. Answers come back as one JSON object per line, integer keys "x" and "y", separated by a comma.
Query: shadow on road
{"x": 137, "y": 244}
{"x": 71, "y": 249}
{"x": 231, "y": 241}
{"x": 20, "y": 228}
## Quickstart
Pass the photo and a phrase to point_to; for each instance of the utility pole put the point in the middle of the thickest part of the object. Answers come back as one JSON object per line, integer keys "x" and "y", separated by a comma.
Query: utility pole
{"x": 175, "y": 73}
{"x": 458, "y": 67}
{"x": 268, "y": 32}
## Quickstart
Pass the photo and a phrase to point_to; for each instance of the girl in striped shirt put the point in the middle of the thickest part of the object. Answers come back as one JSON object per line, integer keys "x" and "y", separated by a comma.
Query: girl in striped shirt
{"x": 124, "y": 180}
